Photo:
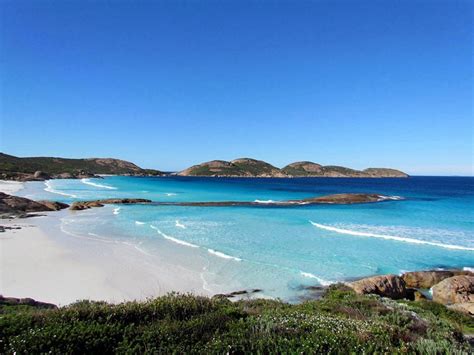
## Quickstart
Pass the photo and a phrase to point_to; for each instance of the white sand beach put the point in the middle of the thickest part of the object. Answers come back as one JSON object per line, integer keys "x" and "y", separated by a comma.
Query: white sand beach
{"x": 10, "y": 187}
{"x": 34, "y": 263}
{"x": 43, "y": 262}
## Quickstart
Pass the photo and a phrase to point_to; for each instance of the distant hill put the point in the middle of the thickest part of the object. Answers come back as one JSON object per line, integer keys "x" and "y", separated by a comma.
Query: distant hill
{"x": 242, "y": 167}
{"x": 310, "y": 169}
{"x": 39, "y": 168}
{"x": 246, "y": 167}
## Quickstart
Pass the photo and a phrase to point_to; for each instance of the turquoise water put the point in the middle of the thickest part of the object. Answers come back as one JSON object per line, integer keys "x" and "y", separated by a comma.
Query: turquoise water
{"x": 280, "y": 250}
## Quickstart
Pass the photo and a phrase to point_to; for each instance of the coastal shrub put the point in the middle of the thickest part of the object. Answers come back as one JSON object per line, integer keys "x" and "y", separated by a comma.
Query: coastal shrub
{"x": 341, "y": 322}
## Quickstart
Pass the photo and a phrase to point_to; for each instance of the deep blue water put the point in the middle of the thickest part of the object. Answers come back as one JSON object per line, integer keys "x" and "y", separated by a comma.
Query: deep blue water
{"x": 281, "y": 249}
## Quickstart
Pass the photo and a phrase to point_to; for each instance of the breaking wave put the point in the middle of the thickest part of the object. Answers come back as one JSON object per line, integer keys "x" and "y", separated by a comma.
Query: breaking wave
{"x": 390, "y": 237}
{"x": 180, "y": 225}
{"x": 395, "y": 198}
{"x": 178, "y": 241}
{"x": 89, "y": 182}
{"x": 49, "y": 188}
{"x": 139, "y": 223}
{"x": 222, "y": 255}
{"x": 264, "y": 201}
{"x": 317, "y": 278}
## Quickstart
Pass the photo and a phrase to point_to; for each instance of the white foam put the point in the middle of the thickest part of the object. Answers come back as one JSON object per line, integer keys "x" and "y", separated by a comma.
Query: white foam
{"x": 116, "y": 210}
{"x": 49, "y": 188}
{"x": 264, "y": 201}
{"x": 317, "y": 278}
{"x": 222, "y": 255}
{"x": 466, "y": 268}
{"x": 180, "y": 225}
{"x": 170, "y": 194}
{"x": 139, "y": 223}
{"x": 89, "y": 182}
{"x": 178, "y": 241}
{"x": 395, "y": 198}
{"x": 390, "y": 237}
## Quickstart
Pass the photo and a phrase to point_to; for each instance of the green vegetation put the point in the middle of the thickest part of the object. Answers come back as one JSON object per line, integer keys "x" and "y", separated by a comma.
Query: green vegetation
{"x": 10, "y": 164}
{"x": 206, "y": 170}
{"x": 342, "y": 322}
{"x": 307, "y": 168}
{"x": 237, "y": 167}
{"x": 341, "y": 170}
{"x": 255, "y": 167}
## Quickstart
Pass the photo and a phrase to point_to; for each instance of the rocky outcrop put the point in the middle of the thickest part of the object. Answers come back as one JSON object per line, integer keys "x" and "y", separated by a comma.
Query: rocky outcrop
{"x": 240, "y": 294}
{"x": 391, "y": 286}
{"x": 456, "y": 289}
{"x": 41, "y": 175}
{"x": 54, "y": 205}
{"x": 337, "y": 199}
{"x": 427, "y": 279}
{"x": 12, "y": 301}
{"x": 467, "y": 307}
{"x": 14, "y": 206}
{"x": 83, "y": 205}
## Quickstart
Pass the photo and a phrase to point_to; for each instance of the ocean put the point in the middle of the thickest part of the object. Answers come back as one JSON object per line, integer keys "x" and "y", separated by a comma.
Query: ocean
{"x": 426, "y": 223}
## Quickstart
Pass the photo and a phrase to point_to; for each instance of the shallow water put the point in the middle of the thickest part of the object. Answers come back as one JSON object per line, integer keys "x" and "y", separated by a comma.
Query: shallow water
{"x": 281, "y": 249}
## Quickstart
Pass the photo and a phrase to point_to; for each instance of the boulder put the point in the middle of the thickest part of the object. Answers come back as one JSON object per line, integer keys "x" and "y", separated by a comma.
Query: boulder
{"x": 83, "y": 205}
{"x": 391, "y": 286}
{"x": 456, "y": 289}
{"x": 414, "y": 295}
{"x": 53, "y": 205}
{"x": 427, "y": 279}
{"x": 18, "y": 206}
{"x": 41, "y": 175}
{"x": 79, "y": 206}
{"x": 467, "y": 307}
{"x": 14, "y": 205}
{"x": 63, "y": 176}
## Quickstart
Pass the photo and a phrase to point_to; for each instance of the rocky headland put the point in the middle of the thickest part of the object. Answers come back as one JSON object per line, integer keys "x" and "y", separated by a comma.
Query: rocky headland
{"x": 45, "y": 168}
{"x": 452, "y": 288}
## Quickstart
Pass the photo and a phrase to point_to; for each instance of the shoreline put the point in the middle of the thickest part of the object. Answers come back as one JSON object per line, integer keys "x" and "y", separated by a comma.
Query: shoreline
{"x": 10, "y": 187}
{"x": 43, "y": 262}
{"x": 50, "y": 261}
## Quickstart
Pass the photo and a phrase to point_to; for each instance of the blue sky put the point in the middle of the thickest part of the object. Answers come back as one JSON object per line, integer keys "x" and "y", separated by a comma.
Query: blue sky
{"x": 168, "y": 84}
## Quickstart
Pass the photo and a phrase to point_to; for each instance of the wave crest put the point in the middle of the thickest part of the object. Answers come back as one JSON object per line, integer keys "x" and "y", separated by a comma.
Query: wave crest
{"x": 264, "y": 201}
{"x": 180, "y": 225}
{"x": 390, "y": 237}
{"x": 178, "y": 241}
{"x": 49, "y": 188}
{"x": 89, "y": 182}
{"x": 317, "y": 278}
{"x": 222, "y": 255}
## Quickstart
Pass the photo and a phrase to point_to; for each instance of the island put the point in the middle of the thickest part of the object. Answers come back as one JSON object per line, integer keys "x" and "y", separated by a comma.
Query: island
{"x": 247, "y": 167}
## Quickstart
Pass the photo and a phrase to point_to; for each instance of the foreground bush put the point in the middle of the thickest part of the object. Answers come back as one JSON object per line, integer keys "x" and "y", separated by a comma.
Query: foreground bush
{"x": 341, "y": 322}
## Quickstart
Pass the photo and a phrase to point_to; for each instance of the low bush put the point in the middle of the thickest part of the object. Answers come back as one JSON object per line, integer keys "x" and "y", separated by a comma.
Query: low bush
{"x": 341, "y": 322}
